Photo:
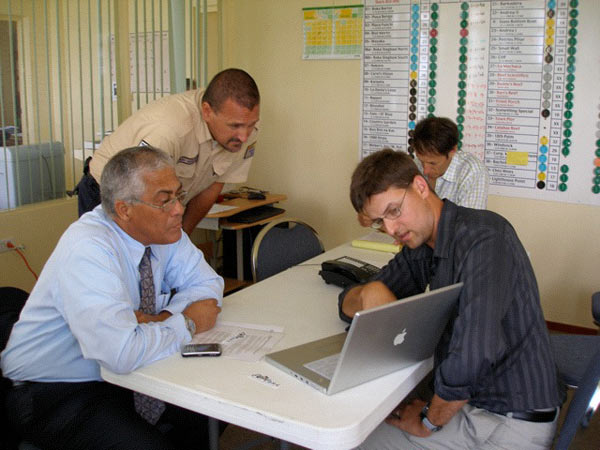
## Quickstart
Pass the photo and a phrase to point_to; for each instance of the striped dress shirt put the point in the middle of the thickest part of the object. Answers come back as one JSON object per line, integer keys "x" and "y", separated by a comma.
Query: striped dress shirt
{"x": 495, "y": 353}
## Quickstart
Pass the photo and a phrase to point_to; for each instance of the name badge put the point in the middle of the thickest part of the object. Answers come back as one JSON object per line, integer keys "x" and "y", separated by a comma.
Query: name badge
{"x": 250, "y": 151}
{"x": 188, "y": 161}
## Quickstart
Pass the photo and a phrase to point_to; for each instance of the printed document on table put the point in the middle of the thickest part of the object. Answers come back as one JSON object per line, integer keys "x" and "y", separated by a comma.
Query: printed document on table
{"x": 218, "y": 208}
{"x": 212, "y": 223}
{"x": 245, "y": 341}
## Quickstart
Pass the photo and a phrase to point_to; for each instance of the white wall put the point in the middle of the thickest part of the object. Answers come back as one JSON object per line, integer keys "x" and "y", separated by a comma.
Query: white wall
{"x": 308, "y": 148}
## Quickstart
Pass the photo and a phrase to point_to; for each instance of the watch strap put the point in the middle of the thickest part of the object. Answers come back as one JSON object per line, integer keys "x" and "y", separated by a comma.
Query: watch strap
{"x": 425, "y": 420}
{"x": 190, "y": 325}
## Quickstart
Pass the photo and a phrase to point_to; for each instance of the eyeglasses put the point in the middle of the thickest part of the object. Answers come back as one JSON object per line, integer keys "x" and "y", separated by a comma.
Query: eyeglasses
{"x": 391, "y": 214}
{"x": 168, "y": 205}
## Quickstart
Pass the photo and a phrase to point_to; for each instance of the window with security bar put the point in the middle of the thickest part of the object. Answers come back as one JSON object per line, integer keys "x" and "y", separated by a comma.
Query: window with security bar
{"x": 72, "y": 70}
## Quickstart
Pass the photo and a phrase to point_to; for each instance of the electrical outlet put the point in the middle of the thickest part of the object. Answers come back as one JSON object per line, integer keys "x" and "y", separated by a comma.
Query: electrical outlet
{"x": 4, "y": 245}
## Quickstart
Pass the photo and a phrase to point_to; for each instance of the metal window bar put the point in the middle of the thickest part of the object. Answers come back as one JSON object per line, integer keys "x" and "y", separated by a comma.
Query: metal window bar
{"x": 162, "y": 55}
{"x": 13, "y": 85}
{"x": 45, "y": 162}
{"x": 153, "y": 53}
{"x": 189, "y": 38}
{"x": 137, "y": 55}
{"x": 70, "y": 83}
{"x": 197, "y": 46}
{"x": 60, "y": 82}
{"x": 204, "y": 42}
{"x": 60, "y": 78}
{"x": 146, "y": 59}
{"x": 112, "y": 70}
{"x": 91, "y": 77}
{"x": 100, "y": 70}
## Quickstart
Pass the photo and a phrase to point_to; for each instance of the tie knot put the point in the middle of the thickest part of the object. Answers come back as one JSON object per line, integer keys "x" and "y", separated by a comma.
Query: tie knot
{"x": 145, "y": 261}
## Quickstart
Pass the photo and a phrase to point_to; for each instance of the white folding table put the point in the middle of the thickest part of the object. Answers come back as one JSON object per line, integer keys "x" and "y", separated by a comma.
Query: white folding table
{"x": 231, "y": 390}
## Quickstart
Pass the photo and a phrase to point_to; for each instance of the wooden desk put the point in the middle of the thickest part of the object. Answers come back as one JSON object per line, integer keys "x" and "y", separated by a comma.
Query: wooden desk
{"x": 227, "y": 389}
{"x": 243, "y": 204}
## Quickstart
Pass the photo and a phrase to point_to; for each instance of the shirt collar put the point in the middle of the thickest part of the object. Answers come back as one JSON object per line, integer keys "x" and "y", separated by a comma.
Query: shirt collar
{"x": 203, "y": 133}
{"x": 135, "y": 248}
{"x": 451, "y": 173}
{"x": 445, "y": 225}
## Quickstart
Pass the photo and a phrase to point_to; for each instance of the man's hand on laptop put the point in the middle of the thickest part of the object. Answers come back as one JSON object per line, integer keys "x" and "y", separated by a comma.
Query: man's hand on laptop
{"x": 204, "y": 314}
{"x": 366, "y": 296}
{"x": 375, "y": 294}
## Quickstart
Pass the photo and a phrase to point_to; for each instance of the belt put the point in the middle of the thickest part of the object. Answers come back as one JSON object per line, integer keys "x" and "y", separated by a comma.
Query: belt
{"x": 533, "y": 416}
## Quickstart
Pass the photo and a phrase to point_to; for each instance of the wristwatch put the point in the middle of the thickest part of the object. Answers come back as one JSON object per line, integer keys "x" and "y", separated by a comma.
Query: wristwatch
{"x": 425, "y": 421}
{"x": 190, "y": 325}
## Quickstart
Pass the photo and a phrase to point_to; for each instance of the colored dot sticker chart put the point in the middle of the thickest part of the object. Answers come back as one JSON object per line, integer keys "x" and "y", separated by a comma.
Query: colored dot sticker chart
{"x": 334, "y": 32}
{"x": 521, "y": 78}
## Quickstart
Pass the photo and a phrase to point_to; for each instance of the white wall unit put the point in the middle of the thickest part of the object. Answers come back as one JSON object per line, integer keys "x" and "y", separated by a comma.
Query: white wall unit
{"x": 31, "y": 173}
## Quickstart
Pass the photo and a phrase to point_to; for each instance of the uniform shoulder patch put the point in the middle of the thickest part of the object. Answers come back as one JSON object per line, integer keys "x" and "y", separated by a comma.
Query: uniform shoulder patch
{"x": 188, "y": 161}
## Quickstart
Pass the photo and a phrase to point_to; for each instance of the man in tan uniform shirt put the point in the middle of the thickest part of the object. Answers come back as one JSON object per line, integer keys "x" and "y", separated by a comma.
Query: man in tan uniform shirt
{"x": 211, "y": 136}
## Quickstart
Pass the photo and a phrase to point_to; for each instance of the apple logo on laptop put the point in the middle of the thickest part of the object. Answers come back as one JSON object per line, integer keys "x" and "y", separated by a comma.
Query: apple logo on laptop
{"x": 399, "y": 339}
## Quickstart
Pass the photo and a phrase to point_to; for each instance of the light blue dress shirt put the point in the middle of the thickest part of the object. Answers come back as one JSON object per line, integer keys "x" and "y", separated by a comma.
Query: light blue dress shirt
{"x": 80, "y": 314}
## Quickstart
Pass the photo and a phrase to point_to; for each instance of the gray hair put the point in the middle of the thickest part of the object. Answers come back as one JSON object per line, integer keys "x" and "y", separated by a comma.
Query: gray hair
{"x": 123, "y": 175}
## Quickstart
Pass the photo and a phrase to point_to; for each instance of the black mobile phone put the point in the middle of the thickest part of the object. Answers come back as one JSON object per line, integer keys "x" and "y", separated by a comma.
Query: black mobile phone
{"x": 201, "y": 350}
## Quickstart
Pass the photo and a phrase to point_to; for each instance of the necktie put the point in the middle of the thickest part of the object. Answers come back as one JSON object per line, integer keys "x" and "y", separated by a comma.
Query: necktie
{"x": 147, "y": 407}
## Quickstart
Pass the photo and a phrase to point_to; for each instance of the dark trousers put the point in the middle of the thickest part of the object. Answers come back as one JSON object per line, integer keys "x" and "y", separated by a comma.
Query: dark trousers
{"x": 97, "y": 416}
{"x": 88, "y": 190}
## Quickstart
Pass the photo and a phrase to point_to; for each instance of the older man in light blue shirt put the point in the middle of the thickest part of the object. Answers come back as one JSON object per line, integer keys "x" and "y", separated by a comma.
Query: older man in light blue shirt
{"x": 84, "y": 312}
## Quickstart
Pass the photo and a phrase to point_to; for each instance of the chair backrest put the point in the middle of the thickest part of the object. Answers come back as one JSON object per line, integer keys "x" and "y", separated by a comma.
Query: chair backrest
{"x": 573, "y": 353}
{"x": 12, "y": 301}
{"x": 580, "y": 409}
{"x": 596, "y": 307}
{"x": 283, "y": 243}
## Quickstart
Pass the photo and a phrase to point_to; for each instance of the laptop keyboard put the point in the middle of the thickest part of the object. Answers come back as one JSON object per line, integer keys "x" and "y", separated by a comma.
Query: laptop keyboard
{"x": 324, "y": 366}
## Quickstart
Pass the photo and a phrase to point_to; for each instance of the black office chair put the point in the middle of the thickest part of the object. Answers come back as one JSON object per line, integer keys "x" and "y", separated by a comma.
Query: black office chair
{"x": 573, "y": 353}
{"x": 12, "y": 301}
{"x": 281, "y": 244}
{"x": 596, "y": 307}
{"x": 583, "y": 404}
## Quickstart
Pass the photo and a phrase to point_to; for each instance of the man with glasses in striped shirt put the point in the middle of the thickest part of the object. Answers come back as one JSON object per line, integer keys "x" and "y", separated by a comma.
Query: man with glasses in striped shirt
{"x": 494, "y": 380}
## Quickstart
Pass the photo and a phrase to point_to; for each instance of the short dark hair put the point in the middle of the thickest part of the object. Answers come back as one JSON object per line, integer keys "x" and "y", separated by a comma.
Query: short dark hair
{"x": 123, "y": 176}
{"x": 435, "y": 135}
{"x": 380, "y": 171}
{"x": 234, "y": 84}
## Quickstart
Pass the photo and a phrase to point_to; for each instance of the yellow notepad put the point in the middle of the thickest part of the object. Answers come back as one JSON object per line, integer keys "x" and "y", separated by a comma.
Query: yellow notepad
{"x": 379, "y": 241}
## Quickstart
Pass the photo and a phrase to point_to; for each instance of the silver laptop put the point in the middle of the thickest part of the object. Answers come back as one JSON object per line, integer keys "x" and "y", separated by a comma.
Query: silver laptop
{"x": 381, "y": 340}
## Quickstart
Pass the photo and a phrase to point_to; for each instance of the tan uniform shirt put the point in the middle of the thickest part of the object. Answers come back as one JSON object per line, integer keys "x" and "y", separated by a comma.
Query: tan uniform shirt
{"x": 175, "y": 125}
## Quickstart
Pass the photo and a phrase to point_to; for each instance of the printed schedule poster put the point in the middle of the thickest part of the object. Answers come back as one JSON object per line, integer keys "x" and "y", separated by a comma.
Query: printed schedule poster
{"x": 334, "y": 32}
{"x": 519, "y": 77}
